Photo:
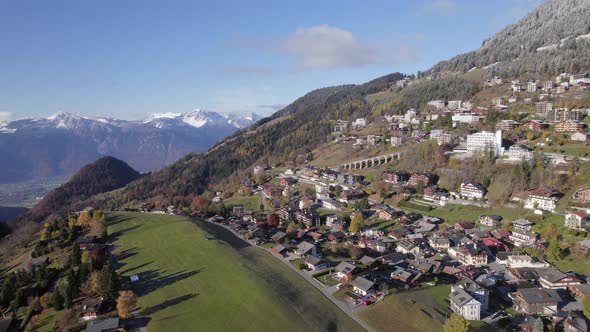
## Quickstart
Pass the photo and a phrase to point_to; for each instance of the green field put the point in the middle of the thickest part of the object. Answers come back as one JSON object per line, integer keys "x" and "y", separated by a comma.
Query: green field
{"x": 43, "y": 322}
{"x": 453, "y": 213}
{"x": 199, "y": 276}
{"x": 414, "y": 310}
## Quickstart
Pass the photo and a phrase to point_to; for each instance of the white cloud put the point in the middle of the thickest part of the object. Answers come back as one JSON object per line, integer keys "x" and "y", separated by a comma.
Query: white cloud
{"x": 440, "y": 6}
{"x": 6, "y": 116}
{"x": 329, "y": 47}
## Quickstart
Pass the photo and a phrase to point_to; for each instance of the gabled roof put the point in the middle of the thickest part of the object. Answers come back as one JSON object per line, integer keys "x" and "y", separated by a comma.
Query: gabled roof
{"x": 345, "y": 267}
{"x": 539, "y": 295}
{"x": 552, "y": 275}
{"x": 278, "y": 236}
{"x": 314, "y": 260}
{"x": 461, "y": 297}
{"x": 367, "y": 260}
{"x": 362, "y": 283}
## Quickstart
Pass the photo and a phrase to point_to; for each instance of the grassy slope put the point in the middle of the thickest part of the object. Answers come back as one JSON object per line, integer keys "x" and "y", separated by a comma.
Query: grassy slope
{"x": 231, "y": 285}
{"x": 406, "y": 310}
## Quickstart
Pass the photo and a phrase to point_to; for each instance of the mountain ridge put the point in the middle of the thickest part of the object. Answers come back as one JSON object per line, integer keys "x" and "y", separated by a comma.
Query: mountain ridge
{"x": 63, "y": 142}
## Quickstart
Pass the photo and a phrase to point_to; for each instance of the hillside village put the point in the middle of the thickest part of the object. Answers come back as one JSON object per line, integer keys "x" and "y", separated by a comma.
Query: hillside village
{"x": 454, "y": 197}
{"x": 370, "y": 236}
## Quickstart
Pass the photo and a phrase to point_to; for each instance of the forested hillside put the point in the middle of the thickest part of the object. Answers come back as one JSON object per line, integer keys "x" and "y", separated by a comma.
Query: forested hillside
{"x": 105, "y": 174}
{"x": 515, "y": 50}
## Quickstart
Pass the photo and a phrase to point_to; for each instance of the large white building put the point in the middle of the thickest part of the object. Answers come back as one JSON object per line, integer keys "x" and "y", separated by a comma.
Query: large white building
{"x": 464, "y": 304}
{"x": 519, "y": 152}
{"x": 483, "y": 140}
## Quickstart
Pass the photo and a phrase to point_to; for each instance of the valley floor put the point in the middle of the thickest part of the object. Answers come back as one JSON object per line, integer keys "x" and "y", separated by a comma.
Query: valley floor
{"x": 199, "y": 275}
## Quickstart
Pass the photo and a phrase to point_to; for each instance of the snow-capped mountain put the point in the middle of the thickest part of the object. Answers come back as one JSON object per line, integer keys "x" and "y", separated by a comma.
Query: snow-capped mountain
{"x": 63, "y": 142}
{"x": 200, "y": 118}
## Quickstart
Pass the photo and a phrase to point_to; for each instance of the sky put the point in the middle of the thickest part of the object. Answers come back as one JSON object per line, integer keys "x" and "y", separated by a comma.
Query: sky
{"x": 128, "y": 59}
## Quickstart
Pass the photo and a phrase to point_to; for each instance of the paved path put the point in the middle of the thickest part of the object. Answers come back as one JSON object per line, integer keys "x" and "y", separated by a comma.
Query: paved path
{"x": 327, "y": 291}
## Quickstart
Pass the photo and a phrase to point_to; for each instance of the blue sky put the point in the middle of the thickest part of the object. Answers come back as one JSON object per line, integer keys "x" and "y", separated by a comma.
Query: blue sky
{"x": 131, "y": 58}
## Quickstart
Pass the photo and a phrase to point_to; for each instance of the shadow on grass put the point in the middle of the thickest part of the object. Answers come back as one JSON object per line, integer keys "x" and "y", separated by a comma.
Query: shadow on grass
{"x": 222, "y": 234}
{"x": 117, "y": 235}
{"x": 168, "y": 303}
{"x": 152, "y": 279}
{"x": 136, "y": 268}
{"x": 116, "y": 220}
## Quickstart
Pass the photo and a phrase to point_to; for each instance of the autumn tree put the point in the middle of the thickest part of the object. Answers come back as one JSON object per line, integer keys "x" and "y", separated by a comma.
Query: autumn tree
{"x": 356, "y": 221}
{"x": 92, "y": 285}
{"x": 125, "y": 303}
{"x": 46, "y": 300}
{"x": 273, "y": 219}
{"x": 355, "y": 252}
{"x": 83, "y": 219}
{"x": 456, "y": 323}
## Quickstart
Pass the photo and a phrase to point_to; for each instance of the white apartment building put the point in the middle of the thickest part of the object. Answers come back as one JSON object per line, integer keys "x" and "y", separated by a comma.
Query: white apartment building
{"x": 483, "y": 140}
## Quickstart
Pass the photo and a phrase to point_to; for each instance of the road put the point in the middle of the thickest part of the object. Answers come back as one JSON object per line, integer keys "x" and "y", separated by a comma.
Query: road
{"x": 327, "y": 291}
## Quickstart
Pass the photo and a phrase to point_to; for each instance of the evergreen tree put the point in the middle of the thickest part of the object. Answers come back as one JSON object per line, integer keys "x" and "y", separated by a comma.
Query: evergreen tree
{"x": 539, "y": 326}
{"x": 76, "y": 255}
{"x": 73, "y": 283}
{"x": 109, "y": 283}
{"x": 58, "y": 300}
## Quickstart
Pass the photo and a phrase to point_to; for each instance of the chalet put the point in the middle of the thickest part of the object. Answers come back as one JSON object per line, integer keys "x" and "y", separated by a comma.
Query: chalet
{"x": 377, "y": 246}
{"x": 474, "y": 289}
{"x": 337, "y": 236}
{"x": 346, "y": 179}
{"x": 335, "y": 223}
{"x": 464, "y": 225}
{"x": 305, "y": 203}
{"x": 314, "y": 263}
{"x": 388, "y": 214}
{"x": 85, "y": 241}
{"x": 534, "y": 125}
{"x": 576, "y": 220}
{"x": 464, "y": 304}
{"x": 104, "y": 325}
{"x": 506, "y": 125}
{"x": 278, "y": 237}
{"x": 500, "y": 234}
{"x": 362, "y": 286}
{"x": 271, "y": 190}
{"x": 288, "y": 182}
{"x": 90, "y": 309}
{"x": 543, "y": 198}
{"x": 345, "y": 271}
{"x": 279, "y": 250}
{"x": 469, "y": 254}
{"x": 575, "y": 322}
{"x": 569, "y": 126}
{"x": 523, "y": 238}
{"x": 555, "y": 279}
{"x": 536, "y": 301}
{"x": 410, "y": 217}
{"x": 407, "y": 247}
{"x": 426, "y": 178}
{"x": 439, "y": 243}
{"x": 523, "y": 224}
{"x": 580, "y": 291}
{"x": 305, "y": 249}
{"x": 368, "y": 261}
{"x": 402, "y": 275}
{"x": 490, "y": 220}
{"x": 582, "y": 195}
{"x": 397, "y": 178}
{"x": 349, "y": 196}
{"x": 472, "y": 190}
{"x": 238, "y": 211}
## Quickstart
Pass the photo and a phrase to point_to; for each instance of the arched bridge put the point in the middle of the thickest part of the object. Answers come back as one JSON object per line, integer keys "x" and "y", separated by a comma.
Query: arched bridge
{"x": 370, "y": 162}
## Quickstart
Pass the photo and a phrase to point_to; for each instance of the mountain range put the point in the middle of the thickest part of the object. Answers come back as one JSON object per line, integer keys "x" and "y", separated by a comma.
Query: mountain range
{"x": 306, "y": 124}
{"x": 37, "y": 148}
